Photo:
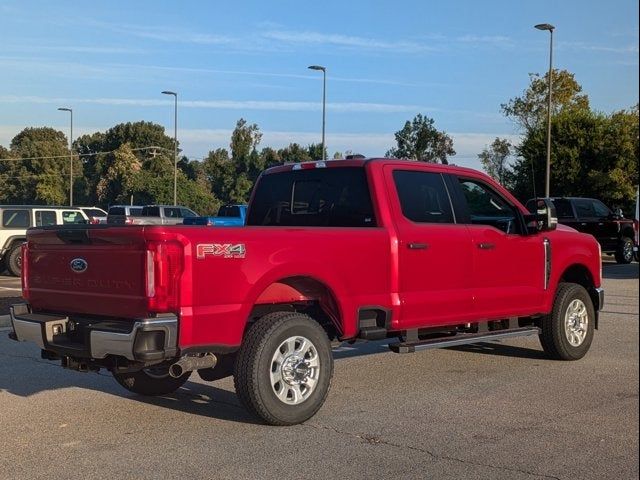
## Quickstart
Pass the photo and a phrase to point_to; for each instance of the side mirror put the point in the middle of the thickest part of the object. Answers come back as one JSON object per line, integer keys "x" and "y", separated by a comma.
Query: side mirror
{"x": 618, "y": 213}
{"x": 543, "y": 217}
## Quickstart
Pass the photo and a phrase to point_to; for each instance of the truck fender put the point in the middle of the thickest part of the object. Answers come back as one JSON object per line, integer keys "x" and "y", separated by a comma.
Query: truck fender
{"x": 286, "y": 286}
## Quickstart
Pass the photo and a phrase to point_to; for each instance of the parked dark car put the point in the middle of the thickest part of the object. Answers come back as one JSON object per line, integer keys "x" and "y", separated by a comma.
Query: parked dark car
{"x": 589, "y": 215}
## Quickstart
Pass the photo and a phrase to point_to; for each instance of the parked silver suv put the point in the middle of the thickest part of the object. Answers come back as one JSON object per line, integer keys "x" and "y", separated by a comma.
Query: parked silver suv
{"x": 14, "y": 221}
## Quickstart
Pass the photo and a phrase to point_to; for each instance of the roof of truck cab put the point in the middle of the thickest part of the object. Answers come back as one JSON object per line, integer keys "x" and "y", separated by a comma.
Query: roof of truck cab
{"x": 361, "y": 162}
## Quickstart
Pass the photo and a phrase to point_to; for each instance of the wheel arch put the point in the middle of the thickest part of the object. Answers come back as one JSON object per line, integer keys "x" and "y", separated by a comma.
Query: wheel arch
{"x": 301, "y": 292}
{"x": 580, "y": 274}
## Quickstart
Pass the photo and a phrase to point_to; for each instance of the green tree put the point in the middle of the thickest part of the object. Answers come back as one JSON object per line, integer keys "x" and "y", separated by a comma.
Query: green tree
{"x": 270, "y": 157}
{"x": 146, "y": 140}
{"x": 294, "y": 153}
{"x": 592, "y": 155}
{"x": 315, "y": 151}
{"x": 420, "y": 140}
{"x": 119, "y": 175}
{"x": 43, "y": 175}
{"x": 494, "y": 159}
{"x": 529, "y": 111}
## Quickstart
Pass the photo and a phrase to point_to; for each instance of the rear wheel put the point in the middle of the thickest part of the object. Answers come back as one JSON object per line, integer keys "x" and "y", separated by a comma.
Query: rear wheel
{"x": 151, "y": 381}
{"x": 567, "y": 332}
{"x": 284, "y": 368}
{"x": 624, "y": 252}
{"x": 14, "y": 260}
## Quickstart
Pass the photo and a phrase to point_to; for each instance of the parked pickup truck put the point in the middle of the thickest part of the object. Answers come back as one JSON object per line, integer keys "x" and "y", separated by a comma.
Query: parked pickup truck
{"x": 613, "y": 232}
{"x": 154, "y": 215}
{"x": 228, "y": 216}
{"x": 428, "y": 255}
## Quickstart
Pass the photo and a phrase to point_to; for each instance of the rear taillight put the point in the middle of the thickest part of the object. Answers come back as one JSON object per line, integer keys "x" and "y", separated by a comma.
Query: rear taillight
{"x": 24, "y": 253}
{"x": 128, "y": 221}
{"x": 94, "y": 221}
{"x": 162, "y": 276}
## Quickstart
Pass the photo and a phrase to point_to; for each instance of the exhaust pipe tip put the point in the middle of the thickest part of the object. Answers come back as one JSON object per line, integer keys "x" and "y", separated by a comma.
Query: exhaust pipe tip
{"x": 176, "y": 370}
{"x": 189, "y": 364}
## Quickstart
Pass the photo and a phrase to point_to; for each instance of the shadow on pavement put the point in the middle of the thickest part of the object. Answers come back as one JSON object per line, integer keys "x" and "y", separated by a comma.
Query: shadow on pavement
{"x": 502, "y": 350}
{"x": 620, "y": 271}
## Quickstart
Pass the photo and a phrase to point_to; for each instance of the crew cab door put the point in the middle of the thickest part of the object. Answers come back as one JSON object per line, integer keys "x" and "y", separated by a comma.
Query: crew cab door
{"x": 434, "y": 253}
{"x": 508, "y": 264}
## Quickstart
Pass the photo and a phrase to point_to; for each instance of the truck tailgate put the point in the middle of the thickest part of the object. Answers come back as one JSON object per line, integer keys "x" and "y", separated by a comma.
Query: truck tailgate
{"x": 86, "y": 270}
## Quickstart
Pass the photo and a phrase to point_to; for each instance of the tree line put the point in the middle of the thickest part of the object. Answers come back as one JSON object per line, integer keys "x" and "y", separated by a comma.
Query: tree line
{"x": 593, "y": 154}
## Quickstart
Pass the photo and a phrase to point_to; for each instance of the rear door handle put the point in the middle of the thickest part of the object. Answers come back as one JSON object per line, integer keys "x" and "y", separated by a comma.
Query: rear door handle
{"x": 418, "y": 246}
{"x": 486, "y": 246}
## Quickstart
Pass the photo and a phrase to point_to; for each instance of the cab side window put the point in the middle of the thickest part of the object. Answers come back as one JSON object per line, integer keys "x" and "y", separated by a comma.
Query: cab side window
{"x": 486, "y": 207}
{"x": 601, "y": 209}
{"x": 423, "y": 196}
{"x": 584, "y": 208}
{"x": 45, "y": 218}
{"x": 72, "y": 218}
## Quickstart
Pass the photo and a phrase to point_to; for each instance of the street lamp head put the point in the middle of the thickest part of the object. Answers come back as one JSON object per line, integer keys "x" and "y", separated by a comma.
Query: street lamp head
{"x": 167, "y": 92}
{"x": 317, "y": 67}
{"x": 62, "y": 109}
{"x": 545, "y": 26}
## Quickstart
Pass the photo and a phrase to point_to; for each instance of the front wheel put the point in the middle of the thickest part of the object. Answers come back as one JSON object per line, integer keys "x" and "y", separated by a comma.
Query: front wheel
{"x": 151, "y": 381}
{"x": 624, "y": 252}
{"x": 283, "y": 370}
{"x": 567, "y": 332}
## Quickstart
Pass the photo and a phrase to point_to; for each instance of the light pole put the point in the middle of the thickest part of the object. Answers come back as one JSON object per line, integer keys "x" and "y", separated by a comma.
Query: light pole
{"x": 324, "y": 101}
{"x": 175, "y": 145}
{"x": 550, "y": 28}
{"x": 70, "y": 155}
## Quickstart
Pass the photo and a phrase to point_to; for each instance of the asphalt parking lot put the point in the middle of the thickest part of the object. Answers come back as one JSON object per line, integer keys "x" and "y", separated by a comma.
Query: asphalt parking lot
{"x": 498, "y": 411}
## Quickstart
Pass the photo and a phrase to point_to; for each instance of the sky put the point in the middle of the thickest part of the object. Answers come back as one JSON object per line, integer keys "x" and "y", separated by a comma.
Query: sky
{"x": 386, "y": 61}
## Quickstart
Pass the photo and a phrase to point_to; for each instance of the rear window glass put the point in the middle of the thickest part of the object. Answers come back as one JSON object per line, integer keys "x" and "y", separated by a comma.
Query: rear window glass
{"x": 229, "y": 211}
{"x": 116, "y": 211}
{"x": 319, "y": 197}
{"x": 45, "y": 217}
{"x": 563, "y": 208}
{"x": 15, "y": 218}
{"x": 93, "y": 212}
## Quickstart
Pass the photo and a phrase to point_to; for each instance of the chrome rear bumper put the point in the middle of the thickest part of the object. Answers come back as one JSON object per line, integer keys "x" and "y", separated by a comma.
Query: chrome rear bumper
{"x": 148, "y": 340}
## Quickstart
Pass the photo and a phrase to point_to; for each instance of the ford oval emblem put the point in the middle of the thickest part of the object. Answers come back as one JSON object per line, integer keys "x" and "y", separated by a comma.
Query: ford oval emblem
{"x": 78, "y": 265}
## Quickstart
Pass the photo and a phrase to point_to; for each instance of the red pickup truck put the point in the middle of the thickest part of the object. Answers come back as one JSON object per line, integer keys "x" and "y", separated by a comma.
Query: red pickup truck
{"x": 332, "y": 251}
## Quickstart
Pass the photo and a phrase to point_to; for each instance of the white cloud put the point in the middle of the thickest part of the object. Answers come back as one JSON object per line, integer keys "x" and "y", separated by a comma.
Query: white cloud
{"x": 630, "y": 48}
{"x": 74, "y": 49}
{"x": 494, "y": 40}
{"x": 224, "y": 104}
{"x": 340, "y": 40}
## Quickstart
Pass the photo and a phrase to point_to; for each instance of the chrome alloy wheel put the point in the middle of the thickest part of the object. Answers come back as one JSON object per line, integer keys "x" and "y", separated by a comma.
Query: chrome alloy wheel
{"x": 576, "y": 322}
{"x": 295, "y": 369}
{"x": 627, "y": 251}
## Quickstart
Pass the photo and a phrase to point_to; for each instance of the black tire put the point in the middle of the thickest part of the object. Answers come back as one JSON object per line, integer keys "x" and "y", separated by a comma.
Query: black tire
{"x": 624, "y": 252}
{"x": 256, "y": 366}
{"x": 14, "y": 260}
{"x": 152, "y": 381}
{"x": 555, "y": 331}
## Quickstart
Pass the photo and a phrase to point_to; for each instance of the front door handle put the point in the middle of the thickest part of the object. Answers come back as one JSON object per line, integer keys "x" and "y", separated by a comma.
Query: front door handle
{"x": 486, "y": 246}
{"x": 418, "y": 246}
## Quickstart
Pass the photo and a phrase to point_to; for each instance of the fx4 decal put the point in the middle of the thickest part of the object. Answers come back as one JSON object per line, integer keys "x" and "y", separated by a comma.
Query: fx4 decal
{"x": 224, "y": 250}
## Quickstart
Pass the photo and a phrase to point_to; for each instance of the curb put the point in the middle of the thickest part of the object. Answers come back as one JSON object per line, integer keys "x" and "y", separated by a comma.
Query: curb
{"x": 5, "y": 321}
